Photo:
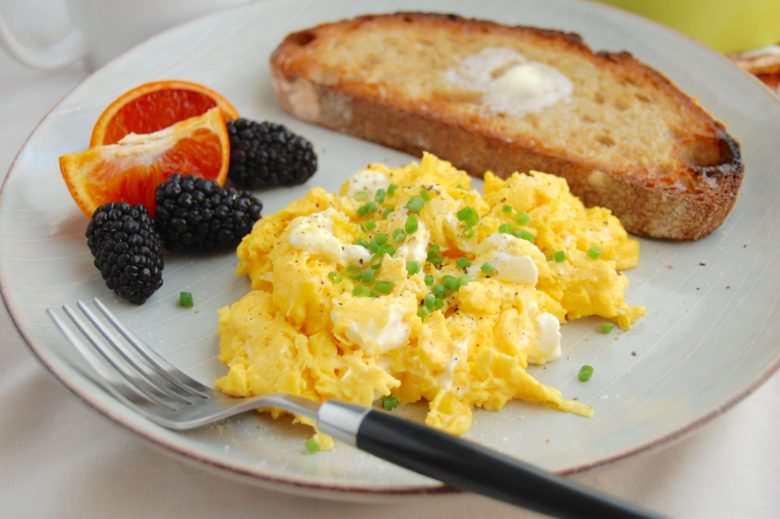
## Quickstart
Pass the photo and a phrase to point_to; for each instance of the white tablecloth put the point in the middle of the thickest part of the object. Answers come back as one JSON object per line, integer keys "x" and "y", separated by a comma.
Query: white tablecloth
{"x": 59, "y": 458}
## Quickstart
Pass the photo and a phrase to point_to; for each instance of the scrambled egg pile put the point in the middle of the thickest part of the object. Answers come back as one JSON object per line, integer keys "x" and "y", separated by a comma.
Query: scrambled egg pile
{"x": 411, "y": 283}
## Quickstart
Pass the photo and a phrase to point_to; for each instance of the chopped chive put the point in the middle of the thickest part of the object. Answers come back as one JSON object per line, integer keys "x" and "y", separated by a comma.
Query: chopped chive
{"x": 428, "y": 279}
{"x": 428, "y": 301}
{"x": 412, "y": 267}
{"x": 361, "y": 291}
{"x": 506, "y": 228}
{"x": 391, "y": 189}
{"x": 380, "y": 238}
{"x": 380, "y": 196}
{"x": 385, "y": 248}
{"x": 335, "y": 277}
{"x": 463, "y": 263}
{"x": 468, "y": 233}
{"x": 506, "y": 208}
{"x": 353, "y": 268}
{"x": 361, "y": 196}
{"x": 464, "y": 279}
{"x": 387, "y": 211}
{"x": 389, "y": 403}
{"x": 362, "y": 242}
{"x": 367, "y": 276}
{"x": 522, "y": 217}
{"x": 594, "y": 252}
{"x": 399, "y": 235}
{"x": 185, "y": 299}
{"x": 450, "y": 282}
{"x": 384, "y": 287}
{"x": 436, "y": 261}
{"x": 524, "y": 235}
{"x": 372, "y": 293}
{"x": 373, "y": 247}
{"x": 422, "y": 312}
{"x": 368, "y": 207}
{"x": 312, "y": 446}
{"x": 438, "y": 303}
{"x": 411, "y": 224}
{"x": 439, "y": 291}
{"x": 415, "y": 204}
{"x": 468, "y": 215}
{"x": 424, "y": 195}
{"x": 368, "y": 225}
{"x": 559, "y": 256}
{"x": 487, "y": 268}
{"x": 606, "y": 328}
{"x": 585, "y": 373}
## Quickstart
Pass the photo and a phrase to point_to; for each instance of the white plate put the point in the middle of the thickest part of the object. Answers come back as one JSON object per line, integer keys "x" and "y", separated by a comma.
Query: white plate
{"x": 710, "y": 336}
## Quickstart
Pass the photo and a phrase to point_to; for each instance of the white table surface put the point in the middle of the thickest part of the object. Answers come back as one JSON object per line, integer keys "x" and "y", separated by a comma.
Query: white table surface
{"x": 59, "y": 458}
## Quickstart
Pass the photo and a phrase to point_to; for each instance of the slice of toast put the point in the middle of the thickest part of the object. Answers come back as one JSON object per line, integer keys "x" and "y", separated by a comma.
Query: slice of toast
{"x": 486, "y": 96}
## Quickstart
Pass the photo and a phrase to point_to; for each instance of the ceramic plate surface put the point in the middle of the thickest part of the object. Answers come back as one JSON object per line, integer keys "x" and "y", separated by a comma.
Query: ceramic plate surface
{"x": 710, "y": 336}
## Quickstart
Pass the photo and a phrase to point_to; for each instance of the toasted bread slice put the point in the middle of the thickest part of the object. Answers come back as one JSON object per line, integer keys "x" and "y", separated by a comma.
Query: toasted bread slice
{"x": 486, "y": 96}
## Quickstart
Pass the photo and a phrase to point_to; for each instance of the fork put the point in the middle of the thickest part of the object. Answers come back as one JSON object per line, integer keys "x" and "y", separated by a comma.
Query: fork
{"x": 148, "y": 384}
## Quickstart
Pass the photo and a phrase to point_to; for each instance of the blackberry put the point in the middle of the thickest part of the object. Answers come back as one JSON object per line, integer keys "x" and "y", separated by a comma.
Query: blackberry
{"x": 196, "y": 214}
{"x": 267, "y": 155}
{"x": 127, "y": 250}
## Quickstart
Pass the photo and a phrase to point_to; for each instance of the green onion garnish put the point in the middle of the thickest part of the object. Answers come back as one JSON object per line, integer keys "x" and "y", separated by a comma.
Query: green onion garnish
{"x": 487, "y": 268}
{"x": 362, "y": 242}
{"x": 185, "y": 299}
{"x": 450, "y": 282}
{"x": 522, "y": 218}
{"x": 399, "y": 235}
{"x": 463, "y": 263}
{"x": 361, "y": 196}
{"x": 506, "y": 208}
{"x": 415, "y": 204}
{"x": 425, "y": 196}
{"x": 367, "y": 276}
{"x": 428, "y": 301}
{"x": 312, "y": 446}
{"x": 335, "y": 277}
{"x": 391, "y": 189}
{"x": 380, "y": 238}
{"x": 369, "y": 225}
{"x": 506, "y": 228}
{"x": 422, "y": 312}
{"x": 468, "y": 233}
{"x": 428, "y": 279}
{"x": 389, "y": 403}
{"x": 384, "y": 287}
{"x": 361, "y": 291}
{"x": 412, "y": 267}
{"x": 606, "y": 328}
{"x": 411, "y": 224}
{"x": 594, "y": 252}
{"x": 468, "y": 215}
{"x": 439, "y": 291}
{"x": 524, "y": 235}
{"x": 585, "y": 373}
{"x": 559, "y": 256}
{"x": 379, "y": 196}
{"x": 462, "y": 280}
{"x": 368, "y": 207}
{"x": 387, "y": 211}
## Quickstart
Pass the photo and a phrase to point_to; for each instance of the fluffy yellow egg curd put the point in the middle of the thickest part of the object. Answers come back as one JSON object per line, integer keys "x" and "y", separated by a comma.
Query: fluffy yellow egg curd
{"x": 409, "y": 283}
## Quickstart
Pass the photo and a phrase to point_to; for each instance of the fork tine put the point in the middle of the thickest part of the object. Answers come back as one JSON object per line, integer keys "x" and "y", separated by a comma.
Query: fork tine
{"x": 174, "y": 375}
{"x": 152, "y": 377}
{"x": 148, "y": 392}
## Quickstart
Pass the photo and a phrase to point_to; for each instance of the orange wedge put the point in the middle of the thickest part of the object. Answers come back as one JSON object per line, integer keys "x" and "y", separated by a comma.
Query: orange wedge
{"x": 130, "y": 170}
{"x": 154, "y": 106}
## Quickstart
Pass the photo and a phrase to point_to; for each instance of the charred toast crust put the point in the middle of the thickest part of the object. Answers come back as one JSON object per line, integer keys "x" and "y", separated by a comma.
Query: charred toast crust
{"x": 646, "y": 206}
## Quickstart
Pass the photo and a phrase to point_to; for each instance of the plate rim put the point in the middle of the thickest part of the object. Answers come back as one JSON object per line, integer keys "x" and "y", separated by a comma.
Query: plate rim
{"x": 142, "y": 429}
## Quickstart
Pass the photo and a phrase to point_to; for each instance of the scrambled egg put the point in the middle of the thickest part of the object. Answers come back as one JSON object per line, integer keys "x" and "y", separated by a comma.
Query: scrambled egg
{"x": 409, "y": 283}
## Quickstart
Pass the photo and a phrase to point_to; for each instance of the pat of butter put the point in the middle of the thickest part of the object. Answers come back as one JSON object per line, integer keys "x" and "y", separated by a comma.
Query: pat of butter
{"x": 528, "y": 87}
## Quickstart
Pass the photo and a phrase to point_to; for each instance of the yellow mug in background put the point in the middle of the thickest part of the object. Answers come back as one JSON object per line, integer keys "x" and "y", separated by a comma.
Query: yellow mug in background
{"x": 726, "y": 25}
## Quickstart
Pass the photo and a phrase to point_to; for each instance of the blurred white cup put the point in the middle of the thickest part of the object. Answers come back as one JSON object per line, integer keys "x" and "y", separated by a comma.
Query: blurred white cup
{"x": 99, "y": 29}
